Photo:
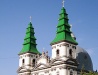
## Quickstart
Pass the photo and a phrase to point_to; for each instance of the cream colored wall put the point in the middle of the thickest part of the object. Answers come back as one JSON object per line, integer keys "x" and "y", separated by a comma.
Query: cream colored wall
{"x": 50, "y": 72}
{"x": 64, "y": 50}
{"x": 28, "y": 57}
{"x": 58, "y": 47}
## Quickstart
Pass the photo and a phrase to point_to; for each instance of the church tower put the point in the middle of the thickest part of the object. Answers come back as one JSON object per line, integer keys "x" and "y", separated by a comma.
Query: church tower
{"x": 64, "y": 45}
{"x": 29, "y": 52}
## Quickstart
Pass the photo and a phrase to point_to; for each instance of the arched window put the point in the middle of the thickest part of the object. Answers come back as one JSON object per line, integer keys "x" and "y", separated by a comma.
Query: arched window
{"x": 33, "y": 62}
{"x": 71, "y": 72}
{"x": 70, "y": 52}
{"x": 57, "y": 53}
{"x": 58, "y": 73}
{"x": 23, "y": 61}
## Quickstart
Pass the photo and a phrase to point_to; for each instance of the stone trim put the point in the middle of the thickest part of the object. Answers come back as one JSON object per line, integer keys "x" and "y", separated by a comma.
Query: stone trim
{"x": 63, "y": 41}
{"x": 28, "y": 52}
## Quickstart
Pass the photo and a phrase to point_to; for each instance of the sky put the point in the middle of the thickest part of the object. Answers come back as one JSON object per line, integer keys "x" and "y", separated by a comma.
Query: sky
{"x": 14, "y": 19}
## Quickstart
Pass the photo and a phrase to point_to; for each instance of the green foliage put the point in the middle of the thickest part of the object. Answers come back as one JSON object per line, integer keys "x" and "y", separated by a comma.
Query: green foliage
{"x": 90, "y": 73}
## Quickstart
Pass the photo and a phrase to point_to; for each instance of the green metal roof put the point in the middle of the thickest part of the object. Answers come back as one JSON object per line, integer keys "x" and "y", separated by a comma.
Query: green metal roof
{"x": 63, "y": 32}
{"x": 29, "y": 44}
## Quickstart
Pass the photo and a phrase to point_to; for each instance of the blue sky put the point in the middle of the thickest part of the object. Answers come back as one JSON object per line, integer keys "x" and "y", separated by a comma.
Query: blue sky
{"x": 14, "y": 18}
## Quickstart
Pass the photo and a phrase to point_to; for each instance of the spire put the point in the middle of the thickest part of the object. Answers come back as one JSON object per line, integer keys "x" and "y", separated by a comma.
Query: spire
{"x": 29, "y": 44}
{"x": 63, "y": 32}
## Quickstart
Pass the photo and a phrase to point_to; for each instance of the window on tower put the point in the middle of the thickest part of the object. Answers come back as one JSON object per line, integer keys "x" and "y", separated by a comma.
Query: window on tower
{"x": 33, "y": 62}
{"x": 23, "y": 61}
{"x": 70, "y": 52}
{"x": 57, "y": 53}
{"x": 71, "y": 72}
{"x": 58, "y": 73}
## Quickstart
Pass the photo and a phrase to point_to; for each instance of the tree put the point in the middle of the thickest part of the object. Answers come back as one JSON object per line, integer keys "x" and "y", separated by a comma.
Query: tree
{"x": 83, "y": 72}
{"x": 89, "y": 73}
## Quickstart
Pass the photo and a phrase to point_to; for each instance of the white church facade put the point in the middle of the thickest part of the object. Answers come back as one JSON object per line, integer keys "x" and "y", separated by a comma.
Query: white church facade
{"x": 67, "y": 57}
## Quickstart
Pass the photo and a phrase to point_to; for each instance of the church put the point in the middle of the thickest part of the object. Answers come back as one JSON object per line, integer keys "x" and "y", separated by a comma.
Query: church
{"x": 67, "y": 57}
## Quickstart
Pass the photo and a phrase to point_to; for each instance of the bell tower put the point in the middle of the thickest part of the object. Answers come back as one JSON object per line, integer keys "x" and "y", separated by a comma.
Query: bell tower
{"x": 29, "y": 53}
{"x": 64, "y": 45}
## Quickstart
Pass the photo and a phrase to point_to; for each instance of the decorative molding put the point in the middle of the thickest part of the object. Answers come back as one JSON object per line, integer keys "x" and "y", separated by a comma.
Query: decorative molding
{"x": 63, "y": 41}
{"x": 46, "y": 71}
{"x": 53, "y": 47}
{"x": 23, "y": 69}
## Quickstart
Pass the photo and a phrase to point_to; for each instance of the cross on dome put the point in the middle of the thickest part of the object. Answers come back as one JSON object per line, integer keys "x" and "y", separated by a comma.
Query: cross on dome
{"x": 63, "y": 3}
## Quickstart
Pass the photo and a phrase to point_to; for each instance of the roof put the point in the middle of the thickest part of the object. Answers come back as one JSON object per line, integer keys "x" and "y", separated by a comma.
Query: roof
{"x": 29, "y": 44}
{"x": 63, "y": 32}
